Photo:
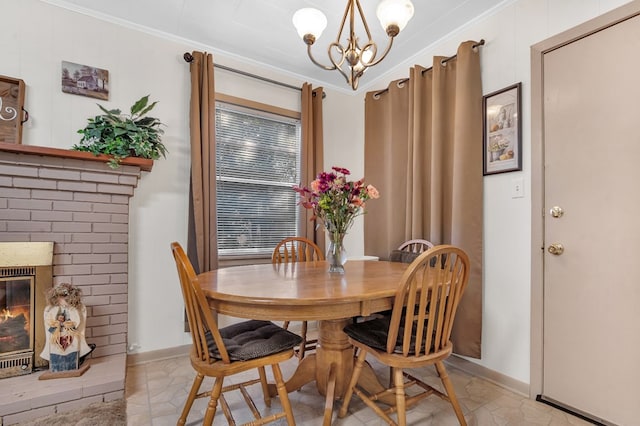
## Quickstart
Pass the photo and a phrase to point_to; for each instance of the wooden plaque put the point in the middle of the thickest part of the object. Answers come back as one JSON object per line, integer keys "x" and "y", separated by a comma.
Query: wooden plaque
{"x": 11, "y": 112}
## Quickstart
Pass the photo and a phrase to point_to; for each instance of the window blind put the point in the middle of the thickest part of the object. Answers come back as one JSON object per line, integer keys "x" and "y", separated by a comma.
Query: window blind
{"x": 257, "y": 163}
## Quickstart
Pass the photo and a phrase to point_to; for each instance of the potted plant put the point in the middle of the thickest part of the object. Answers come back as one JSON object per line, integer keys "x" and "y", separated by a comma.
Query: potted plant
{"x": 124, "y": 135}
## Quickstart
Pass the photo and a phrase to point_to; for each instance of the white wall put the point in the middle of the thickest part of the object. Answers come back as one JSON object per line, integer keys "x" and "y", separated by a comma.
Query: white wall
{"x": 343, "y": 117}
{"x": 39, "y": 36}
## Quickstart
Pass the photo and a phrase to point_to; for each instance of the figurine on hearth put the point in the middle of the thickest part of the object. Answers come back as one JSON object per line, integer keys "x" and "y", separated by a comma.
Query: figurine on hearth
{"x": 64, "y": 322}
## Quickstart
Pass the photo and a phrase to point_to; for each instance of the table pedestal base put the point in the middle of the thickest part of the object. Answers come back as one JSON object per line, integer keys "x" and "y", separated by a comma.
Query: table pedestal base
{"x": 331, "y": 367}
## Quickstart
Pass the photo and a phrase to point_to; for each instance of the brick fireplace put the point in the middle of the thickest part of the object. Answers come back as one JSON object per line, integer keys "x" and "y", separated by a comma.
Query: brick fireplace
{"x": 76, "y": 201}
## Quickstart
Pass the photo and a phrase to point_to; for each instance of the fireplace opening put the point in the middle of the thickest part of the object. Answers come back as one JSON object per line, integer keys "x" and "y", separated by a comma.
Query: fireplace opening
{"x": 26, "y": 273}
{"x": 17, "y": 321}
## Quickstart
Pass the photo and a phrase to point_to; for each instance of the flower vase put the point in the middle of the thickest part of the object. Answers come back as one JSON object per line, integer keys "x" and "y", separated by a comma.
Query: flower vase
{"x": 336, "y": 254}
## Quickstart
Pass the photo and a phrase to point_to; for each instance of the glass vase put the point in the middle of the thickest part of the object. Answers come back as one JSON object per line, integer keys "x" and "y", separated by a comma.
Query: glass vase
{"x": 336, "y": 254}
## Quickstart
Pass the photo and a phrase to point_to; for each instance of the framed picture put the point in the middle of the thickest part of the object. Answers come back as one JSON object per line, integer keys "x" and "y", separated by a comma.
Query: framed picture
{"x": 85, "y": 80}
{"x": 502, "y": 131}
{"x": 12, "y": 113}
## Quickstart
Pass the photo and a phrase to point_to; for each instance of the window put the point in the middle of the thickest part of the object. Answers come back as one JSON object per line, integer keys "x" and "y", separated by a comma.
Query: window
{"x": 257, "y": 162}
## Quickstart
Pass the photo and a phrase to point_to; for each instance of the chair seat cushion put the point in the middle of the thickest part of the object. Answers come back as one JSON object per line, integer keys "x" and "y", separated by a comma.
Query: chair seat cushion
{"x": 374, "y": 334}
{"x": 253, "y": 339}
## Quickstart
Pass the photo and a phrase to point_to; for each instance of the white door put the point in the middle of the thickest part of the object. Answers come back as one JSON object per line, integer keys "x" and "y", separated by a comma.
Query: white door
{"x": 591, "y": 130}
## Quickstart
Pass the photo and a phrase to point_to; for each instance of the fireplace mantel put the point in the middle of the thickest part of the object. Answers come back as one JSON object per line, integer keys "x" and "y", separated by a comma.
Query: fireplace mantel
{"x": 145, "y": 164}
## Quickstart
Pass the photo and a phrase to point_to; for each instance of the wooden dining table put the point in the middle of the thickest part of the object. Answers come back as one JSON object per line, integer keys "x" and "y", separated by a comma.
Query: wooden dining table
{"x": 307, "y": 291}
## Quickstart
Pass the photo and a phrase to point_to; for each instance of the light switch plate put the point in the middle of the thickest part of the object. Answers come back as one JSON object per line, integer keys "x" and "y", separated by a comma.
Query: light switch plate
{"x": 517, "y": 188}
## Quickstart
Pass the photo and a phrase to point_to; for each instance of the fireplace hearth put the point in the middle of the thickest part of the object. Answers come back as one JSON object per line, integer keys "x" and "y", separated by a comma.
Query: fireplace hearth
{"x": 25, "y": 275}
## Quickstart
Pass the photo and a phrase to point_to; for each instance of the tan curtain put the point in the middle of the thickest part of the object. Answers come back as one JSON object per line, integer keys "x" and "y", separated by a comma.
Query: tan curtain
{"x": 202, "y": 244}
{"x": 423, "y": 150}
{"x": 312, "y": 157}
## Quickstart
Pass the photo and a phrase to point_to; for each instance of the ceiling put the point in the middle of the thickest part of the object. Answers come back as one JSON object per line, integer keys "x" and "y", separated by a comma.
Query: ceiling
{"x": 261, "y": 31}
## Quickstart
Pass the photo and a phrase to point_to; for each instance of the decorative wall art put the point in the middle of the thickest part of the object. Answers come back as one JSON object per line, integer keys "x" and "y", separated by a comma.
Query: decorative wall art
{"x": 502, "y": 136}
{"x": 84, "y": 80}
{"x": 11, "y": 112}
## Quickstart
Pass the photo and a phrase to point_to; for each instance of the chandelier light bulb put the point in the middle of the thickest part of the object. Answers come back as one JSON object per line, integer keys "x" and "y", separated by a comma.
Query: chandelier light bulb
{"x": 309, "y": 21}
{"x": 364, "y": 57}
{"x": 394, "y": 13}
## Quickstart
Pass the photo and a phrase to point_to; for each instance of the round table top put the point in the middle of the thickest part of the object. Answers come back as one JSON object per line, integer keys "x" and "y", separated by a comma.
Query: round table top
{"x": 303, "y": 290}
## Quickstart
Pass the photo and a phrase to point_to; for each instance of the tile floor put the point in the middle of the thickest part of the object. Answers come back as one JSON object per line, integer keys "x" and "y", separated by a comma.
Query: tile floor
{"x": 156, "y": 392}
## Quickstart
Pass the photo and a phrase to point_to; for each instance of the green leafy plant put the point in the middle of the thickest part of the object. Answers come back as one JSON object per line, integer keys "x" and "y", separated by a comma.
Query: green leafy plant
{"x": 124, "y": 135}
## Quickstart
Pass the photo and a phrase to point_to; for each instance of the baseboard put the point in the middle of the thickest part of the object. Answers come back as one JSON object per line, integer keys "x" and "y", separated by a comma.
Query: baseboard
{"x": 144, "y": 357}
{"x": 492, "y": 376}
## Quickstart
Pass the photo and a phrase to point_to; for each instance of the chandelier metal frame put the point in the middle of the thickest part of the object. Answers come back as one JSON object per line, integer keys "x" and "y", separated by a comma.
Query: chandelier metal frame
{"x": 353, "y": 53}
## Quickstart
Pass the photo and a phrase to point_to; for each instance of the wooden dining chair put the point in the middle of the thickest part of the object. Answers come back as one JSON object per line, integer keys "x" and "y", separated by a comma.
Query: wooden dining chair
{"x": 417, "y": 333}
{"x": 416, "y": 246}
{"x": 298, "y": 249}
{"x": 409, "y": 250}
{"x": 224, "y": 352}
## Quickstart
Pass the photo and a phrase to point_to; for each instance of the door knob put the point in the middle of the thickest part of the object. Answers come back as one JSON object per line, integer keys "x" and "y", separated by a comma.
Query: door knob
{"x": 556, "y": 249}
{"x": 556, "y": 211}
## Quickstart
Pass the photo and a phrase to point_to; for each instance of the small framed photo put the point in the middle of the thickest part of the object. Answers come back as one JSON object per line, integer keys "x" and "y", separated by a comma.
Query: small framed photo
{"x": 502, "y": 131}
{"x": 85, "y": 80}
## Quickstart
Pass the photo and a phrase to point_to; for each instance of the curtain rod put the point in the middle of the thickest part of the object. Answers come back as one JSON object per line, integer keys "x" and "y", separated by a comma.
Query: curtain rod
{"x": 442, "y": 62}
{"x": 188, "y": 57}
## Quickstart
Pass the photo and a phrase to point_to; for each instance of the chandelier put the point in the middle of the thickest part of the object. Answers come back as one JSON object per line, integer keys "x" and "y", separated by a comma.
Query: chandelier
{"x": 353, "y": 58}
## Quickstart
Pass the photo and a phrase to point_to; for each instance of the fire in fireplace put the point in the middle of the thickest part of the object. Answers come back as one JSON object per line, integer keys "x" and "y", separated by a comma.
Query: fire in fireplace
{"x": 17, "y": 313}
{"x": 25, "y": 274}
{"x": 16, "y": 321}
